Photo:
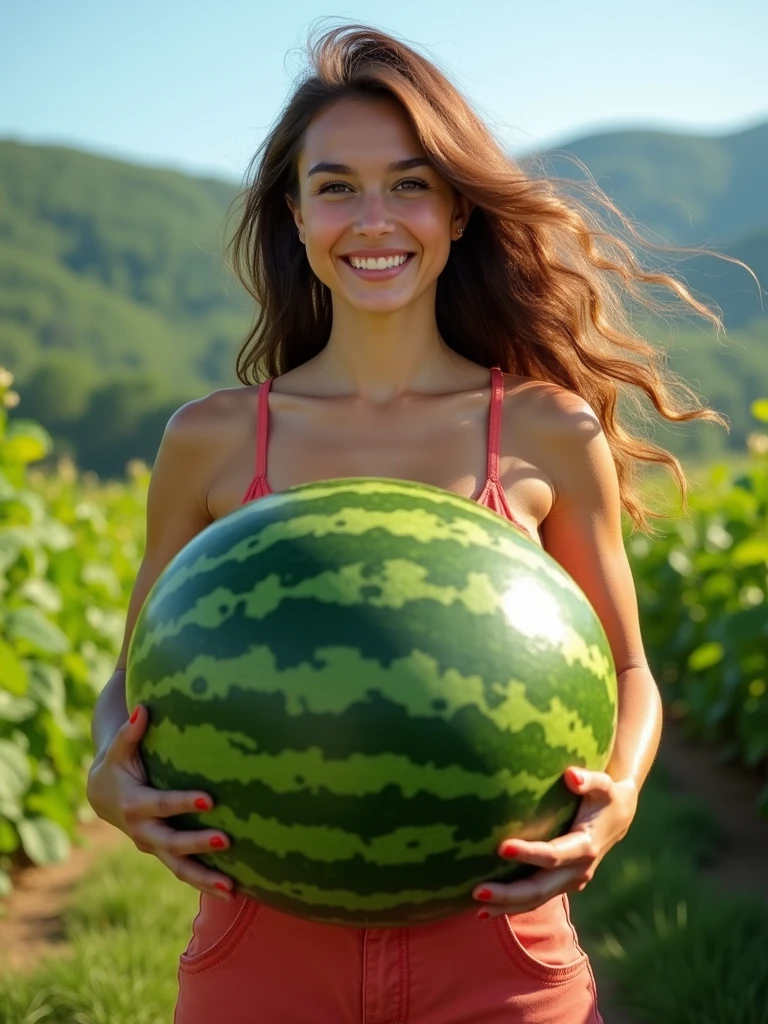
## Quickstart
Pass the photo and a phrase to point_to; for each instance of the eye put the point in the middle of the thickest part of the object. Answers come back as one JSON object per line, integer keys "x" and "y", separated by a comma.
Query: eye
{"x": 331, "y": 184}
{"x": 412, "y": 181}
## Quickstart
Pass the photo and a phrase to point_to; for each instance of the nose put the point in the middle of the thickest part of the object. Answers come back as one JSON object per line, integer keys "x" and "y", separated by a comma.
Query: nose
{"x": 373, "y": 219}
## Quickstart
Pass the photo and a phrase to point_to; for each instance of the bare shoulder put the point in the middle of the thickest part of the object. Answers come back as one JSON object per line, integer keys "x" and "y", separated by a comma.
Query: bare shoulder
{"x": 554, "y": 407}
{"x": 555, "y": 430}
{"x": 553, "y": 412}
{"x": 201, "y": 434}
{"x": 177, "y": 508}
{"x": 204, "y": 418}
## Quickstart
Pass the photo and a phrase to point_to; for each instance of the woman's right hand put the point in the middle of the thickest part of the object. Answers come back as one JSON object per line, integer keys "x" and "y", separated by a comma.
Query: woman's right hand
{"x": 118, "y": 792}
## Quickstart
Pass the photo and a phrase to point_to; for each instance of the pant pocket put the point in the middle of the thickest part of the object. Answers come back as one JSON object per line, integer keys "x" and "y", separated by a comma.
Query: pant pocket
{"x": 542, "y": 942}
{"x": 217, "y": 930}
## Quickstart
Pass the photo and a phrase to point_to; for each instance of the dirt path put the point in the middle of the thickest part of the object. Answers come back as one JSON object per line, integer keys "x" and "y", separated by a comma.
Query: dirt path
{"x": 730, "y": 791}
{"x": 32, "y": 925}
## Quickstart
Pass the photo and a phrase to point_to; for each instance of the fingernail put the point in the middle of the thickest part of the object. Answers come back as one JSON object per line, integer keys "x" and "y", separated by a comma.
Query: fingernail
{"x": 484, "y": 894}
{"x": 578, "y": 778}
{"x": 483, "y": 914}
{"x": 218, "y": 843}
{"x": 202, "y": 804}
{"x": 134, "y": 715}
{"x": 509, "y": 850}
{"x": 223, "y": 889}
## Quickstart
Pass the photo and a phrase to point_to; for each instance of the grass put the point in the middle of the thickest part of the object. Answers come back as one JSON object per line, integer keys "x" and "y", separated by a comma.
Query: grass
{"x": 126, "y": 926}
{"x": 678, "y": 953}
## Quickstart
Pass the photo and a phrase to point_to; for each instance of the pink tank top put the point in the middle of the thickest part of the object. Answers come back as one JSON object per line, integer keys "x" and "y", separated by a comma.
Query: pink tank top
{"x": 492, "y": 494}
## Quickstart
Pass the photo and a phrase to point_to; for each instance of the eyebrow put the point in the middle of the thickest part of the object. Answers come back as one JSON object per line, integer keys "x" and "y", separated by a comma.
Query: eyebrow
{"x": 398, "y": 165}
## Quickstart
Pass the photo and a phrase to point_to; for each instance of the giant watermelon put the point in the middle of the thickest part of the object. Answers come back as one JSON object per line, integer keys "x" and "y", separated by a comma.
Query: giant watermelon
{"x": 376, "y": 681}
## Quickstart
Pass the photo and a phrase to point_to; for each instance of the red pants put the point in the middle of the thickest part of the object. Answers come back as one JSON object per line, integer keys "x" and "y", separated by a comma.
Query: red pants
{"x": 248, "y": 964}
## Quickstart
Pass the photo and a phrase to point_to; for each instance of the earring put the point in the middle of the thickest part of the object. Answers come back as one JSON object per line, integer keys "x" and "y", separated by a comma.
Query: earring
{"x": 459, "y": 232}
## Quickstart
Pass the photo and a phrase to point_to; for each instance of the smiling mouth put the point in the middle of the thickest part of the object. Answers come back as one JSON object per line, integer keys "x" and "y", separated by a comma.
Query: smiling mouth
{"x": 373, "y": 265}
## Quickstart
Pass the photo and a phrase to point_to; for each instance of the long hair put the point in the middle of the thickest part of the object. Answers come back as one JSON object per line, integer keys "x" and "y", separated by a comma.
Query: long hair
{"x": 537, "y": 286}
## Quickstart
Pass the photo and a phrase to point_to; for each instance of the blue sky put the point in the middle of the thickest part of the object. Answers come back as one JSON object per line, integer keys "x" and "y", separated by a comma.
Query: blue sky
{"x": 194, "y": 86}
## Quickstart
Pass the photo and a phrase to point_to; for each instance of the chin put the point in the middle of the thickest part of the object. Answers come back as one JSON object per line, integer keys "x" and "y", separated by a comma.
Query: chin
{"x": 379, "y": 303}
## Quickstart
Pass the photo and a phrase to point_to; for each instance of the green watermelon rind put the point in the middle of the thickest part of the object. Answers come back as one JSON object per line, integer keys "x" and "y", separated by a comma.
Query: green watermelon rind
{"x": 481, "y": 744}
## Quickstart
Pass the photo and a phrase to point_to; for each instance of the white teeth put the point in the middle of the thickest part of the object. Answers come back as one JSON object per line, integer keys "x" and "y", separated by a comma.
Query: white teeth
{"x": 382, "y": 263}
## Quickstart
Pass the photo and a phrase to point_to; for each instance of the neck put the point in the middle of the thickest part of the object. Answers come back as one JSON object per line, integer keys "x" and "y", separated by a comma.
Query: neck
{"x": 380, "y": 356}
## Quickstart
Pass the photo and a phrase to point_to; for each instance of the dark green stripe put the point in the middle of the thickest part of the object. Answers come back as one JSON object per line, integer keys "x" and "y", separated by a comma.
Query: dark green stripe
{"x": 469, "y": 739}
{"x": 298, "y": 628}
{"x": 369, "y": 816}
{"x": 359, "y": 878}
{"x": 293, "y": 559}
{"x": 354, "y": 875}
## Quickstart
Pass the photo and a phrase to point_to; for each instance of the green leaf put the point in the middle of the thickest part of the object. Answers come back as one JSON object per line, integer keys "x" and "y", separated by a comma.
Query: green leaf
{"x": 680, "y": 562}
{"x": 55, "y": 535}
{"x": 32, "y": 626}
{"x": 102, "y": 577}
{"x": 41, "y": 593}
{"x": 706, "y": 656}
{"x": 55, "y": 804}
{"x": 15, "y": 778}
{"x": 13, "y": 675}
{"x": 9, "y": 838}
{"x": 44, "y": 841}
{"x": 11, "y": 544}
{"x": 26, "y": 441}
{"x": 752, "y": 551}
{"x": 7, "y": 490}
{"x": 46, "y": 685}
{"x": 15, "y": 709}
{"x": 759, "y": 409}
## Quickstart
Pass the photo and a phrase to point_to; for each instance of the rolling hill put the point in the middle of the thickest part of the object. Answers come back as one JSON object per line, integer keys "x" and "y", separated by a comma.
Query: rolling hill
{"x": 116, "y": 306}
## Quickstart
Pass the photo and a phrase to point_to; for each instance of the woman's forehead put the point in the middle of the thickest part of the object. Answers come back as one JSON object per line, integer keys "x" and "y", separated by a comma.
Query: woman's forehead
{"x": 373, "y": 130}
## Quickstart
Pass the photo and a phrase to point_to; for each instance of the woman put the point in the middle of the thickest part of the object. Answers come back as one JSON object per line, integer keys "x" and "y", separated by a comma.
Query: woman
{"x": 397, "y": 254}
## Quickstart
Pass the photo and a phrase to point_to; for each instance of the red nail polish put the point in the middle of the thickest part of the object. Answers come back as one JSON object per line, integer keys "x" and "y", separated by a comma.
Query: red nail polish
{"x": 134, "y": 715}
{"x": 217, "y": 843}
{"x": 509, "y": 850}
{"x": 202, "y": 804}
{"x": 483, "y": 914}
{"x": 222, "y": 888}
{"x": 485, "y": 894}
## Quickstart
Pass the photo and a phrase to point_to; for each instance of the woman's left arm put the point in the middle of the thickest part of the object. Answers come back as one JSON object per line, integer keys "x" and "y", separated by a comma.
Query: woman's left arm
{"x": 583, "y": 532}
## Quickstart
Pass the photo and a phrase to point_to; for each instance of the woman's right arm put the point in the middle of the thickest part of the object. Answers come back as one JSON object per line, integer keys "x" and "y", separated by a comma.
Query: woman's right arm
{"x": 117, "y": 789}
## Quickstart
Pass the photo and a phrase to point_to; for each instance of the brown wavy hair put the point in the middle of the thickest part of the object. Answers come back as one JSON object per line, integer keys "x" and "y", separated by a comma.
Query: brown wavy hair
{"x": 537, "y": 286}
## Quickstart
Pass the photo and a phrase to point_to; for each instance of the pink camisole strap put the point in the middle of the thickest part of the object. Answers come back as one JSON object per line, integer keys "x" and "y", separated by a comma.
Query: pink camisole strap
{"x": 259, "y": 487}
{"x": 492, "y": 495}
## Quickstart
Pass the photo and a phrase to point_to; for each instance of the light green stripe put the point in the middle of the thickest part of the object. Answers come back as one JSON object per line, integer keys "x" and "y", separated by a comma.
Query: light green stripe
{"x": 401, "y": 581}
{"x": 412, "y": 683}
{"x": 220, "y": 757}
{"x": 329, "y": 845}
{"x": 345, "y": 900}
{"x": 417, "y": 524}
{"x": 531, "y": 609}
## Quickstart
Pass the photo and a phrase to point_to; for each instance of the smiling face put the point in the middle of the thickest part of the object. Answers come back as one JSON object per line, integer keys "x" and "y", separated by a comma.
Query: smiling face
{"x": 368, "y": 192}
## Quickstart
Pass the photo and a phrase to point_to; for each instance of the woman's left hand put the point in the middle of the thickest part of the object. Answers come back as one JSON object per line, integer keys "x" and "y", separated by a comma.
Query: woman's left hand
{"x": 569, "y": 861}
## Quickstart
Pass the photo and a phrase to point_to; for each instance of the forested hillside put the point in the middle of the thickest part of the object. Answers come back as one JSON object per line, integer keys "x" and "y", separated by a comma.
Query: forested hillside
{"x": 116, "y": 306}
